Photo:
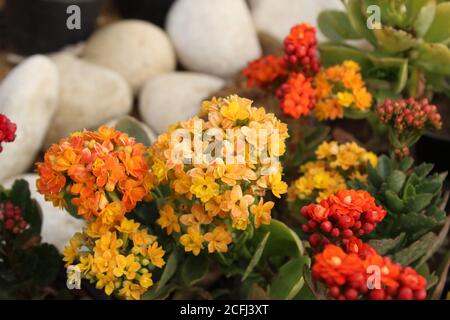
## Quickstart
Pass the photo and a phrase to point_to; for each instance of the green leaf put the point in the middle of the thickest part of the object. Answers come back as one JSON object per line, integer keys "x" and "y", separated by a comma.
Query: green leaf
{"x": 416, "y": 250}
{"x": 332, "y": 54}
{"x": 417, "y": 222}
{"x": 256, "y": 256}
{"x": 374, "y": 178}
{"x": 135, "y": 129}
{"x": 394, "y": 40}
{"x": 194, "y": 269}
{"x": 439, "y": 31}
{"x": 393, "y": 202}
{"x": 169, "y": 270}
{"x": 383, "y": 246}
{"x": 384, "y": 167}
{"x": 358, "y": 19}
{"x": 442, "y": 272}
{"x": 419, "y": 202}
{"x": 351, "y": 113}
{"x": 73, "y": 211}
{"x": 48, "y": 262}
{"x": 423, "y": 169}
{"x": 396, "y": 181}
{"x": 406, "y": 163}
{"x": 336, "y": 26}
{"x": 433, "y": 57}
{"x": 437, "y": 243}
{"x": 21, "y": 197}
{"x": 289, "y": 280}
{"x": 282, "y": 241}
{"x": 425, "y": 16}
{"x": 398, "y": 65}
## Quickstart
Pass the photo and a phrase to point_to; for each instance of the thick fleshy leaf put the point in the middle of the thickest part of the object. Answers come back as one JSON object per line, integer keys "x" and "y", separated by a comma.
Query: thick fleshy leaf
{"x": 357, "y": 15}
{"x": 169, "y": 270}
{"x": 416, "y": 250}
{"x": 433, "y": 57}
{"x": 396, "y": 180}
{"x": 134, "y": 129}
{"x": 289, "y": 280}
{"x": 336, "y": 26}
{"x": 332, "y": 54}
{"x": 439, "y": 31}
{"x": 383, "y": 246}
{"x": 256, "y": 256}
{"x": 424, "y": 17}
{"x": 394, "y": 40}
{"x": 394, "y": 66}
{"x": 194, "y": 269}
{"x": 412, "y": 222}
{"x": 393, "y": 201}
{"x": 419, "y": 202}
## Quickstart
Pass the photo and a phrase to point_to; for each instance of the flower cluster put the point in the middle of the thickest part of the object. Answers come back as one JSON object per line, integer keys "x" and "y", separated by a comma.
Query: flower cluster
{"x": 219, "y": 167}
{"x": 300, "y": 48}
{"x": 293, "y": 71}
{"x": 103, "y": 174}
{"x": 264, "y": 71}
{"x": 409, "y": 114}
{"x": 341, "y": 216}
{"x": 335, "y": 164}
{"x": 7, "y": 130}
{"x": 120, "y": 260}
{"x": 297, "y": 96}
{"x": 351, "y": 276}
{"x": 338, "y": 88}
{"x": 11, "y": 218}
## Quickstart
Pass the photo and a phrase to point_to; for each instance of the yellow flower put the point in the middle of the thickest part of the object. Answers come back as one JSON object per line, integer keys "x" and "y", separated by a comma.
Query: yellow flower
{"x": 236, "y": 109}
{"x": 351, "y": 65}
{"x": 128, "y": 226}
{"x": 168, "y": 220}
{"x": 277, "y": 186}
{"x": 192, "y": 241}
{"x": 105, "y": 281}
{"x": 197, "y": 216}
{"x": 204, "y": 188}
{"x": 218, "y": 240}
{"x": 127, "y": 266}
{"x": 327, "y": 149}
{"x": 371, "y": 158}
{"x": 160, "y": 170}
{"x": 345, "y": 98}
{"x": 262, "y": 212}
{"x": 156, "y": 254}
{"x": 131, "y": 291}
{"x": 146, "y": 280}
{"x": 71, "y": 251}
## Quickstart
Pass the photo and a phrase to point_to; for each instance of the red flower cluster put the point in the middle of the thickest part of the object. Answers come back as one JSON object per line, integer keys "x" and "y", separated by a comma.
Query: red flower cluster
{"x": 300, "y": 48}
{"x": 264, "y": 71}
{"x": 11, "y": 217}
{"x": 297, "y": 96}
{"x": 351, "y": 276}
{"x": 409, "y": 114}
{"x": 299, "y": 63}
{"x": 7, "y": 130}
{"x": 341, "y": 216}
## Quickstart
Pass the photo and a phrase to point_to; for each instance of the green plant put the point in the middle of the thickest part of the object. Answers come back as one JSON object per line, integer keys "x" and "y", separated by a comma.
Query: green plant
{"x": 409, "y": 47}
{"x": 416, "y": 224}
{"x": 26, "y": 264}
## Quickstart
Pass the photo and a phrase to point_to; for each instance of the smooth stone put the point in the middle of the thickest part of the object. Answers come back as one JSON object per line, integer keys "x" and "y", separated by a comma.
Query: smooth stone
{"x": 29, "y": 97}
{"x": 213, "y": 36}
{"x": 58, "y": 226}
{"x": 275, "y": 18}
{"x": 151, "y": 135}
{"x": 136, "y": 49}
{"x": 173, "y": 97}
{"x": 89, "y": 96}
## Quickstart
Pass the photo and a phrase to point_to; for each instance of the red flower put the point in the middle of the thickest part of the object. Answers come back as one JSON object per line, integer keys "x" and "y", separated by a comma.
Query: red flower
{"x": 300, "y": 47}
{"x": 264, "y": 71}
{"x": 7, "y": 130}
{"x": 411, "y": 279}
{"x": 297, "y": 96}
{"x": 12, "y": 219}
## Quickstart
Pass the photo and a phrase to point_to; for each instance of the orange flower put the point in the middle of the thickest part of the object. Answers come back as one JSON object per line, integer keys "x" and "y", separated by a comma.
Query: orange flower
{"x": 168, "y": 219}
{"x": 350, "y": 202}
{"x": 297, "y": 96}
{"x": 411, "y": 279}
{"x": 264, "y": 71}
{"x": 389, "y": 271}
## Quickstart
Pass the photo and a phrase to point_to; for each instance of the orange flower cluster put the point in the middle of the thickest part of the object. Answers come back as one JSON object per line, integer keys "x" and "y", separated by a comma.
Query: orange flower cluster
{"x": 264, "y": 71}
{"x": 338, "y": 88}
{"x": 341, "y": 216}
{"x": 103, "y": 174}
{"x": 300, "y": 48}
{"x": 297, "y": 96}
{"x": 351, "y": 276}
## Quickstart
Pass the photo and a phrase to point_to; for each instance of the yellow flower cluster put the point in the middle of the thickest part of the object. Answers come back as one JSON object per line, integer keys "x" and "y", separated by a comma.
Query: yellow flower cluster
{"x": 219, "y": 167}
{"x": 340, "y": 87}
{"x": 120, "y": 260}
{"x": 334, "y": 165}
